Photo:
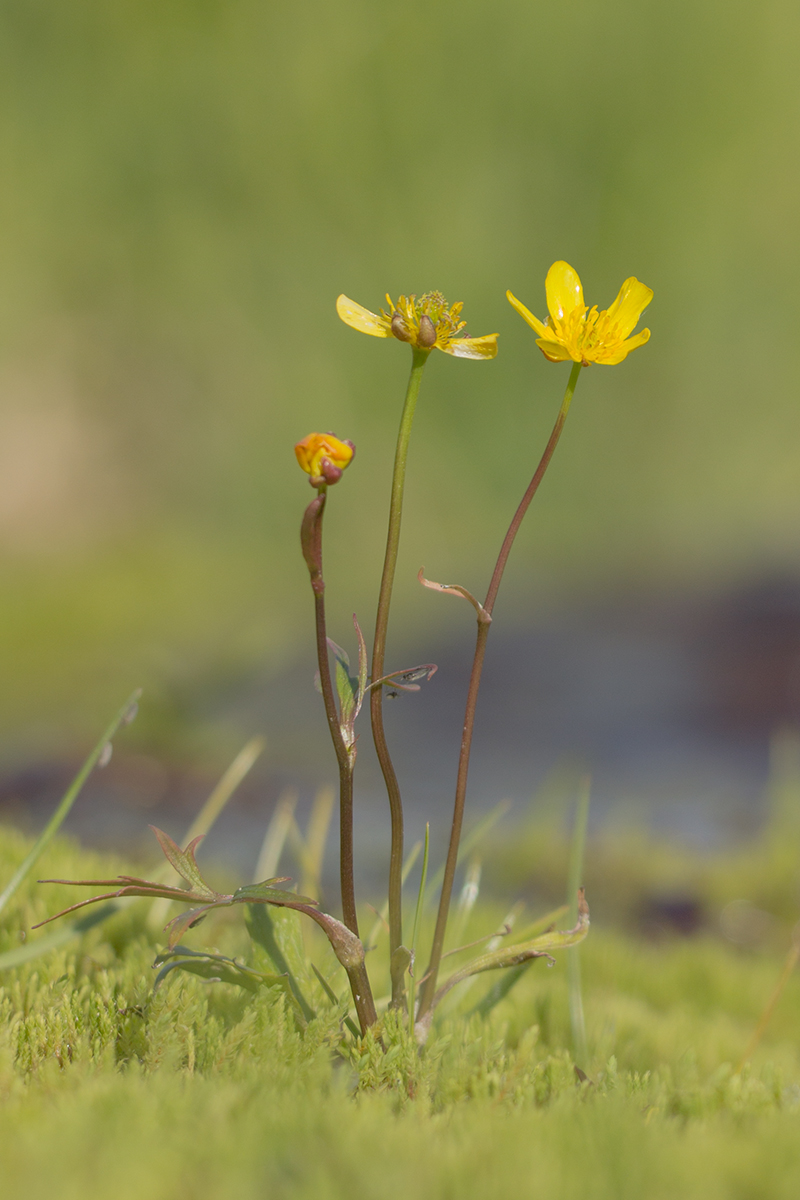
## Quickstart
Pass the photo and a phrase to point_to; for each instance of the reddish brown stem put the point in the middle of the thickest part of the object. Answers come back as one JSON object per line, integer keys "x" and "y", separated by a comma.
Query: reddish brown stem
{"x": 428, "y": 991}
{"x": 311, "y": 537}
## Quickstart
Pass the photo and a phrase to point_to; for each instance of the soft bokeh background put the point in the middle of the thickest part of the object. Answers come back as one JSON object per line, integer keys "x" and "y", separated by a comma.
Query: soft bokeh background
{"x": 186, "y": 187}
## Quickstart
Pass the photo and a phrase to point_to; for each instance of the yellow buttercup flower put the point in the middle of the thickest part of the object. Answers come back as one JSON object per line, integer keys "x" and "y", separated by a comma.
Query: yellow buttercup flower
{"x": 425, "y": 323}
{"x": 324, "y": 457}
{"x": 587, "y": 336}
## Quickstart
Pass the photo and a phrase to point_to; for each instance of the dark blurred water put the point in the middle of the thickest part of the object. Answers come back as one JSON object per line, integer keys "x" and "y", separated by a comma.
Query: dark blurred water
{"x": 669, "y": 703}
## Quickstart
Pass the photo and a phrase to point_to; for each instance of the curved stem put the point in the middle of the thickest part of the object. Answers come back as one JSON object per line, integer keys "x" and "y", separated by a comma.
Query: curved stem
{"x": 420, "y": 357}
{"x": 429, "y": 987}
{"x": 312, "y": 550}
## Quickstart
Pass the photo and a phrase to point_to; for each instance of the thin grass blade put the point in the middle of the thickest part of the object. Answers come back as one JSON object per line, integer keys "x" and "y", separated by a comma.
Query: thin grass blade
{"x": 470, "y": 841}
{"x": 577, "y": 852}
{"x": 100, "y": 754}
{"x": 276, "y": 835}
{"x": 210, "y": 811}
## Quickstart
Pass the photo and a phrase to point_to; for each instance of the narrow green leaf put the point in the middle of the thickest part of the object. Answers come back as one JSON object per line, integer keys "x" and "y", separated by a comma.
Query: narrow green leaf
{"x": 125, "y": 715}
{"x": 209, "y": 813}
{"x": 263, "y": 893}
{"x": 470, "y": 841}
{"x": 261, "y": 930}
{"x": 339, "y": 653}
{"x": 347, "y": 696}
{"x": 185, "y": 920}
{"x": 521, "y": 952}
{"x": 57, "y": 938}
{"x": 422, "y": 884}
{"x": 213, "y": 972}
{"x": 363, "y": 666}
{"x": 577, "y": 851}
{"x": 216, "y": 967}
{"x": 499, "y": 990}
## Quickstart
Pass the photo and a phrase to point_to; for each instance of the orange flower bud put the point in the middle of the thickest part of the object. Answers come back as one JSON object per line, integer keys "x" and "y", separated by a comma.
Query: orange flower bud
{"x": 324, "y": 457}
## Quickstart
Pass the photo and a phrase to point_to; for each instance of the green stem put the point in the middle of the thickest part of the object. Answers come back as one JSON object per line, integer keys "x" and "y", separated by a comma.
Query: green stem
{"x": 420, "y": 357}
{"x": 429, "y": 987}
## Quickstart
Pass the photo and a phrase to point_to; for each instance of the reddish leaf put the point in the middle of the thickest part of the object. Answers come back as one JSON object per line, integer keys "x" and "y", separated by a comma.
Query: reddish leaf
{"x": 184, "y": 861}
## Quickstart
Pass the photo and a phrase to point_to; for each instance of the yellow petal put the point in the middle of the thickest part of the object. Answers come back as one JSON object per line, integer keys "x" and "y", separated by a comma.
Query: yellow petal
{"x": 554, "y": 351}
{"x": 564, "y": 291}
{"x": 612, "y": 357}
{"x": 629, "y": 305}
{"x": 360, "y": 318}
{"x": 527, "y": 315}
{"x": 480, "y": 347}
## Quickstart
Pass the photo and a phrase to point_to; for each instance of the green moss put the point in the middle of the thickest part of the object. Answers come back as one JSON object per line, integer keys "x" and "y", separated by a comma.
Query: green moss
{"x": 204, "y": 1089}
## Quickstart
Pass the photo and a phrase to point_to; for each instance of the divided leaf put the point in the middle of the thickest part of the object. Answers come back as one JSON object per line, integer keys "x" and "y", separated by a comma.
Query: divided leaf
{"x": 184, "y": 861}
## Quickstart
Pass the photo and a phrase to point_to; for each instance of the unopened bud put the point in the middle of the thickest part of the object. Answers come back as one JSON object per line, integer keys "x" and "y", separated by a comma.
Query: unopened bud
{"x": 427, "y": 332}
{"x": 323, "y": 457}
{"x": 400, "y": 328}
{"x": 329, "y": 472}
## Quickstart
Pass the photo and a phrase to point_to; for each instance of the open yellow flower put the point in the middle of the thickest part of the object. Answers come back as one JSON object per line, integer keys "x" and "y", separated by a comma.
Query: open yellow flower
{"x": 324, "y": 457}
{"x": 586, "y": 336}
{"x": 425, "y": 323}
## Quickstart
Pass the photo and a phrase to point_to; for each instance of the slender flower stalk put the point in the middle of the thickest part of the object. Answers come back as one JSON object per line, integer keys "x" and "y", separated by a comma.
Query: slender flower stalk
{"x": 312, "y": 550}
{"x": 311, "y": 539}
{"x": 324, "y": 457}
{"x": 420, "y": 357}
{"x": 425, "y": 323}
{"x": 428, "y": 991}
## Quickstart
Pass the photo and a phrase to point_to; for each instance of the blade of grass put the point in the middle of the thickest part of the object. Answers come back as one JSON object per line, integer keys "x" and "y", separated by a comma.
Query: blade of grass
{"x": 417, "y": 917}
{"x": 470, "y": 841}
{"x": 470, "y": 890}
{"x": 275, "y": 837}
{"x": 100, "y": 753}
{"x": 788, "y": 967}
{"x": 262, "y": 931}
{"x": 509, "y": 921}
{"x": 331, "y": 994}
{"x": 381, "y": 922}
{"x": 208, "y": 814}
{"x": 59, "y": 937}
{"x": 501, "y": 988}
{"x": 577, "y": 851}
{"x": 310, "y": 851}
{"x": 227, "y": 785}
{"x": 316, "y": 838}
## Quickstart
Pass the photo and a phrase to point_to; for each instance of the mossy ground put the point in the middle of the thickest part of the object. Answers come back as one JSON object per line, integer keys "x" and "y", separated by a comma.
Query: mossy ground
{"x": 203, "y": 1089}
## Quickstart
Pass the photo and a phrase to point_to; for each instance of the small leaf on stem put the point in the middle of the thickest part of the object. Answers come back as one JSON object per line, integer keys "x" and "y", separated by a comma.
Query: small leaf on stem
{"x": 455, "y": 589}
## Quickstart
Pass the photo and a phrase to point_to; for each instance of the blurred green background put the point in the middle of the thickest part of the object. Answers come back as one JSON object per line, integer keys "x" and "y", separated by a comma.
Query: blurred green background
{"x": 187, "y": 185}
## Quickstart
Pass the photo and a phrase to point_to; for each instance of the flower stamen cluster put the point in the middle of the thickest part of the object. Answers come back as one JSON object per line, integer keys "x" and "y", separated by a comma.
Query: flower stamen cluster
{"x": 426, "y": 323}
{"x": 573, "y": 331}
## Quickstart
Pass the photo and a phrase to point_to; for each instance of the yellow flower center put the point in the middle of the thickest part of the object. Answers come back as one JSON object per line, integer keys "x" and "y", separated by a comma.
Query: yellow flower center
{"x": 425, "y": 322}
{"x": 586, "y": 334}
